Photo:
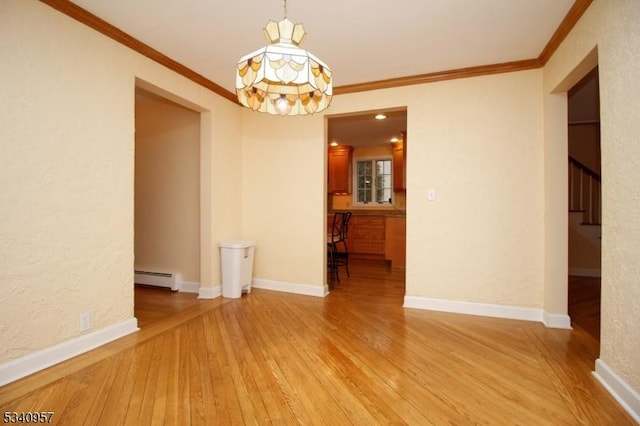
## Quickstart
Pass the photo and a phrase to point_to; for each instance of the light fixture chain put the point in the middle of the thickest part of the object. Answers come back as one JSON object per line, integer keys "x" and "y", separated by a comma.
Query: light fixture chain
{"x": 284, "y": 6}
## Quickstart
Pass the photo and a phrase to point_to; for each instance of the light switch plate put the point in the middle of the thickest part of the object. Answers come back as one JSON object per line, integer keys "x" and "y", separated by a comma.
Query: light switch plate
{"x": 431, "y": 194}
{"x": 85, "y": 321}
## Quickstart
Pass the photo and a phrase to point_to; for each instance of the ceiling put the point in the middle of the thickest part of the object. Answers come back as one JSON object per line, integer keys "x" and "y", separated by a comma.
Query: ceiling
{"x": 362, "y": 129}
{"x": 362, "y": 41}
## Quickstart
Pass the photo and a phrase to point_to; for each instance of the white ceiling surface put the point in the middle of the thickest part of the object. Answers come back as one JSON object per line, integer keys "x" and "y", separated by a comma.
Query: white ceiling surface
{"x": 360, "y": 40}
{"x": 364, "y": 130}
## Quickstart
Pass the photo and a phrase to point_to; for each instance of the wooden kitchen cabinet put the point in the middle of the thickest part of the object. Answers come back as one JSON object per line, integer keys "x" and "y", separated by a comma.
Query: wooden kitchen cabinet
{"x": 395, "y": 241}
{"x": 399, "y": 164}
{"x": 377, "y": 237}
{"x": 367, "y": 235}
{"x": 339, "y": 169}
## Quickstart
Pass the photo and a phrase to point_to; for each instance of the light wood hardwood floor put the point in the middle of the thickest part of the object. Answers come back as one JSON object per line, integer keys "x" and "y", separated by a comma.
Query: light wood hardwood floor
{"x": 354, "y": 357}
{"x": 584, "y": 310}
{"x": 584, "y": 304}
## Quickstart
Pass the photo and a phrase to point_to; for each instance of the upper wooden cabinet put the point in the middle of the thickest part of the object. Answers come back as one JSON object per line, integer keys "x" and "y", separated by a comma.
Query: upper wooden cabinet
{"x": 339, "y": 170}
{"x": 399, "y": 162}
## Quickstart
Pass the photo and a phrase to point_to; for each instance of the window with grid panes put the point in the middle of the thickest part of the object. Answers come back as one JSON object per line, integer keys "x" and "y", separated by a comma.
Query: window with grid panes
{"x": 373, "y": 181}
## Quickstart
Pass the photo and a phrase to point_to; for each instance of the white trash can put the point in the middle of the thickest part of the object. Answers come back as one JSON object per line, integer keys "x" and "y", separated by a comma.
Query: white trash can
{"x": 237, "y": 267}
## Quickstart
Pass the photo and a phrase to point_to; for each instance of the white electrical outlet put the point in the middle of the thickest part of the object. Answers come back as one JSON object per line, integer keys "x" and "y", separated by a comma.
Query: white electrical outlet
{"x": 85, "y": 321}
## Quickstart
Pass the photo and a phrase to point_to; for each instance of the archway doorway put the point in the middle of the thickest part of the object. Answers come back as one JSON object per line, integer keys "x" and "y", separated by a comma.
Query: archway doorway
{"x": 367, "y": 152}
{"x": 167, "y": 207}
{"x": 584, "y": 227}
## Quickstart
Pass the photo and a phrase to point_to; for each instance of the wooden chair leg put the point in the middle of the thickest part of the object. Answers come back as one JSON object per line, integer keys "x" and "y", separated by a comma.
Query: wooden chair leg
{"x": 346, "y": 264}
{"x": 333, "y": 265}
{"x": 345, "y": 256}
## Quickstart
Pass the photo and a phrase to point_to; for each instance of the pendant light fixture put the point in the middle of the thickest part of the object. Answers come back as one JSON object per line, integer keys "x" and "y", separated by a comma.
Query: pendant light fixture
{"x": 283, "y": 78}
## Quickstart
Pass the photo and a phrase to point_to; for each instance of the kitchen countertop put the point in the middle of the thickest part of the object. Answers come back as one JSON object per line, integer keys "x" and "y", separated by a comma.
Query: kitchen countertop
{"x": 373, "y": 212}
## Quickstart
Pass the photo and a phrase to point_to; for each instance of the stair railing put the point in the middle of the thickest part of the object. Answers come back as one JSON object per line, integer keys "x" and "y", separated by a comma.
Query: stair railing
{"x": 585, "y": 192}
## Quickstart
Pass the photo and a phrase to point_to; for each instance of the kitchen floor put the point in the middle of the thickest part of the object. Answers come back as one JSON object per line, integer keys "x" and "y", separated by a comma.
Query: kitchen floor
{"x": 371, "y": 281}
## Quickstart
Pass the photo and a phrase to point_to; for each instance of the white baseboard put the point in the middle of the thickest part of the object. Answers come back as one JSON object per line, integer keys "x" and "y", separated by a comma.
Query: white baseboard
{"x": 471, "y": 308}
{"x": 189, "y": 287}
{"x": 209, "y": 292}
{"x": 556, "y": 320}
{"x": 308, "y": 290}
{"x": 488, "y": 310}
{"x": 39, "y": 360}
{"x": 619, "y": 389}
{"x": 584, "y": 272}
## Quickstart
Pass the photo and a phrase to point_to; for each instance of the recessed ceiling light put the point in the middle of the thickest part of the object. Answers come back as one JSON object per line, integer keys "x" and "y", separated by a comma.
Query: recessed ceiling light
{"x": 380, "y": 117}
{"x": 334, "y": 143}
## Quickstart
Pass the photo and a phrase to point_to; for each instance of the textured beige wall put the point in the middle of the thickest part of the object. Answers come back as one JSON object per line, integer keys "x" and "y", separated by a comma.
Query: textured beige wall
{"x": 67, "y": 170}
{"x": 478, "y": 142}
{"x": 613, "y": 27}
{"x": 284, "y": 196}
{"x": 167, "y": 188}
{"x": 556, "y": 214}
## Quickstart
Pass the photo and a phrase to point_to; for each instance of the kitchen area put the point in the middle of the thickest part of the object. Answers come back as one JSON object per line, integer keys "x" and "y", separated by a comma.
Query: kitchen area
{"x": 367, "y": 177}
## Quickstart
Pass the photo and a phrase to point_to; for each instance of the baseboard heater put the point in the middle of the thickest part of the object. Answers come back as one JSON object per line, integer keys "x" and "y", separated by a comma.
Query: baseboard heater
{"x": 158, "y": 279}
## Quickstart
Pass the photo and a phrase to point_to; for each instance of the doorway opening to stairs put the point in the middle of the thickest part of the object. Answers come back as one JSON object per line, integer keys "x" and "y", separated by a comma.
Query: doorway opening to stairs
{"x": 585, "y": 207}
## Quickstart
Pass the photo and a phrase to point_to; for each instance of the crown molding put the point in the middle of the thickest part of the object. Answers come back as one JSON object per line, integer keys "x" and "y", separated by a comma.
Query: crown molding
{"x": 567, "y": 24}
{"x": 439, "y": 76}
{"x": 81, "y": 15}
{"x": 85, "y": 17}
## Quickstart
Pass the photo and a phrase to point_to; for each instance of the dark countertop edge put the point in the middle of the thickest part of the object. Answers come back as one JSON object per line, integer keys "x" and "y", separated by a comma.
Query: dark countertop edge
{"x": 364, "y": 212}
